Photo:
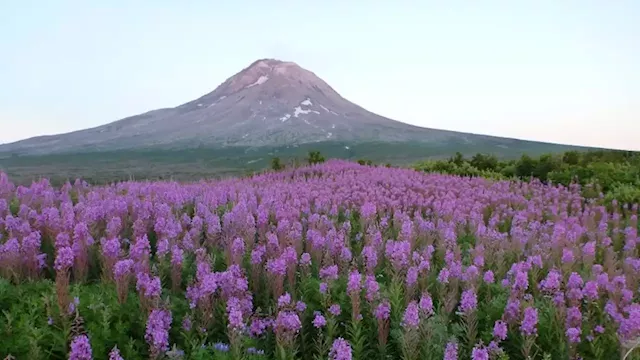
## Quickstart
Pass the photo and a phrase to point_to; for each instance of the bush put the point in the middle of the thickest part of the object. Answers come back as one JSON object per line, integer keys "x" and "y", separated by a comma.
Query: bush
{"x": 525, "y": 167}
{"x": 276, "y": 164}
{"x": 365, "y": 162}
{"x": 624, "y": 194}
{"x": 315, "y": 158}
{"x": 484, "y": 162}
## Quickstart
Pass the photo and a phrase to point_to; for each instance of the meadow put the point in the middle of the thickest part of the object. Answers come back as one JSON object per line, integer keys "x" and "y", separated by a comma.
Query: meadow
{"x": 329, "y": 261}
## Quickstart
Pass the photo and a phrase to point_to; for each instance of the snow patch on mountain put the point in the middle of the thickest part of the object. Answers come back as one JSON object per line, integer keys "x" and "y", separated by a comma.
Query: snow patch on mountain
{"x": 297, "y": 111}
{"x": 261, "y": 80}
{"x": 285, "y": 117}
{"x": 329, "y": 111}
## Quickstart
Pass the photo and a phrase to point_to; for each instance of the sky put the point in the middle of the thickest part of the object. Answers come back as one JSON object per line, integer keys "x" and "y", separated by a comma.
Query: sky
{"x": 558, "y": 71}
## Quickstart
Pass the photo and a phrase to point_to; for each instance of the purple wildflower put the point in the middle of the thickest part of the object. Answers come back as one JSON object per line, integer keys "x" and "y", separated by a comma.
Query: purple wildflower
{"x": 80, "y": 348}
{"x": 443, "y": 276}
{"x": 186, "y": 323}
{"x": 573, "y": 334}
{"x": 500, "y": 330}
{"x": 305, "y": 259}
{"x": 234, "y": 311}
{"x": 451, "y": 351}
{"x": 257, "y": 254}
{"x": 382, "y": 311}
{"x": 552, "y": 282}
{"x": 114, "y": 354}
{"x": 329, "y": 273}
{"x": 567, "y": 256}
{"x": 340, "y": 350}
{"x": 222, "y": 347}
{"x": 64, "y": 258}
{"x": 324, "y": 287}
{"x": 469, "y": 301}
{"x": 412, "y": 276}
{"x": 319, "y": 321}
{"x": 372, "y": 288}
{"x": 287, "y": 324}
{"x": 488, "y": 277}
{"x": 157, "y": 333}
{"x": 426, "y": 304}
{"x": 122, "y": 268}
{"x": 335, "y": 309}
{"x": 411, "y": 317}
{"x": 354, "y": 284}
{"x": 479, "y": 353}
{"x": 530, "y": 321}
{"x": 301, "y": 306}
{"x": 284, "y": 300}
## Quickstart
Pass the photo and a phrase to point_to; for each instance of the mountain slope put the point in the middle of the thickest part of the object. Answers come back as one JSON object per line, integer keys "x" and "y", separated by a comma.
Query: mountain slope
{"x": 269, "y": 103}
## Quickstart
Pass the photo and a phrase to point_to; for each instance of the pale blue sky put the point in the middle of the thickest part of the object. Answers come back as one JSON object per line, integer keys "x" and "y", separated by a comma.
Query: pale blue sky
{"x": 561, "y": 71}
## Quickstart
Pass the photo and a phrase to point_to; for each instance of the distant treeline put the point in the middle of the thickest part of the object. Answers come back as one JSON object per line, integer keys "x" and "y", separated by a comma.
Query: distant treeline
{"x": 614, "y": 173}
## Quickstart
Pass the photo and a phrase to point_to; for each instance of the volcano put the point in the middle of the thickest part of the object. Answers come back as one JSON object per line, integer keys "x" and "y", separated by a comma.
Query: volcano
{"x": 269, "y": 103}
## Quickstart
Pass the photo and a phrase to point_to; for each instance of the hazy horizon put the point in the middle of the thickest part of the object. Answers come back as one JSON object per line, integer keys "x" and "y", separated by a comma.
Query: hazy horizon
{"x": 555, "y": 72}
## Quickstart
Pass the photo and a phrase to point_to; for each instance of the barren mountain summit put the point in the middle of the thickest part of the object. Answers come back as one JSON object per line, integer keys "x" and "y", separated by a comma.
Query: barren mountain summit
{"x": 269, "y": 103}
{"x": 281, "y": 74}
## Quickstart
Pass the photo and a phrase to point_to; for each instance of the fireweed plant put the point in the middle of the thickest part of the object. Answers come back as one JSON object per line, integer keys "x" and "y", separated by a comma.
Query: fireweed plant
{"x": 332, "y": 261}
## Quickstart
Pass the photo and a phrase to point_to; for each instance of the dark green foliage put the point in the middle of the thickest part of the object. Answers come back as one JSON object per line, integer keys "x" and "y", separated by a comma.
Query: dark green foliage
{"x": 615, "y": 173}
{"x": 315, "y": 158}
{"x": 457, "y": 159}
{"x": 571, "y": 157}
{"x": 276, "y": 164}
{"x": 484, "y": 162}
{"x": 624, "y": 194}
{"x": 544, "y": 165}
{"x": 526, "y": 166}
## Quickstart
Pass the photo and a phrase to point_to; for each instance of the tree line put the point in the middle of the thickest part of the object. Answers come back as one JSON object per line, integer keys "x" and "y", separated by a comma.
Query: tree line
{"x": 614, "y": 173}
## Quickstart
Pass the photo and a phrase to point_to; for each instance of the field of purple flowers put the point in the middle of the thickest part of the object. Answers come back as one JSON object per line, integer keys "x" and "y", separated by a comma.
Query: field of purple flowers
{"x": 334, "y": 261}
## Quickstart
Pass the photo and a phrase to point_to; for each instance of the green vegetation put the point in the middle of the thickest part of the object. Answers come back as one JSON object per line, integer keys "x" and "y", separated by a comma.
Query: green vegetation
{"x": 614, "y": 173}
{"x": 315, "y": 158}
{"x": 276, "y": 164}
{"x": 203, "y": 162}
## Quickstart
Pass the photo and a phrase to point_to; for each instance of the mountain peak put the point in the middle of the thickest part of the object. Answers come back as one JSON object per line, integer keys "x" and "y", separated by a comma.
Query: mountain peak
{"x": 270, "y": 63}
{"x": 269, "y": 103}
{"x": 277, "y": 72}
